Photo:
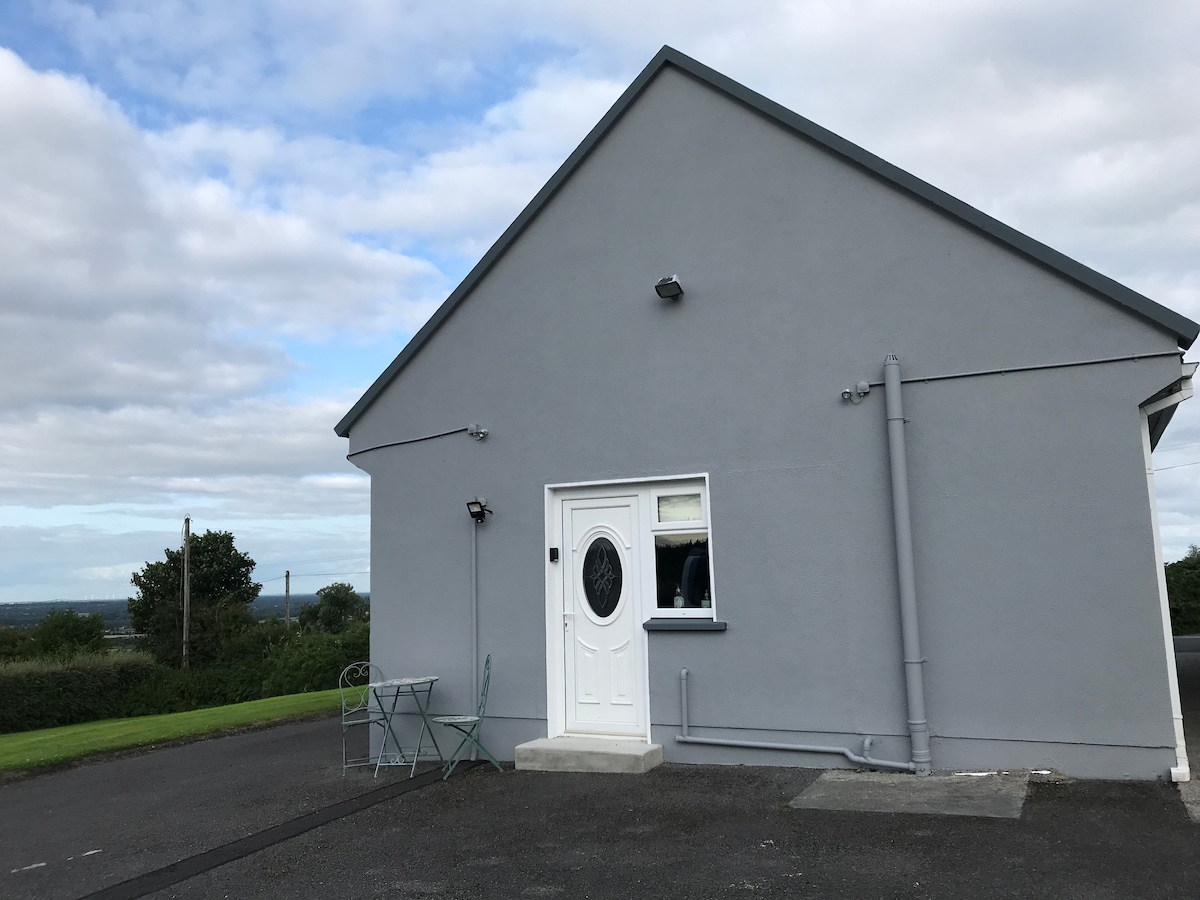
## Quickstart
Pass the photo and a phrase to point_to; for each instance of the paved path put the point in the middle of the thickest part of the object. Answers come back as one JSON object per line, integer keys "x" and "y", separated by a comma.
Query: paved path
{"x": 678, "y": 832}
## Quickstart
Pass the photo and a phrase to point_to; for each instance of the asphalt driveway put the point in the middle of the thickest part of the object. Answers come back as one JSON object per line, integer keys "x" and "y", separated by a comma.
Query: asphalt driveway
{"x": 680, "y": 831}
{"x": 269, "y": 814}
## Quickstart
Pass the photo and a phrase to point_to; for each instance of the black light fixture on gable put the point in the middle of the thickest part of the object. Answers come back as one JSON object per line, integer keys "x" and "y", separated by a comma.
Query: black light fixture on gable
{"x": 668, "y": 287}
{"x": 478, "y": 509}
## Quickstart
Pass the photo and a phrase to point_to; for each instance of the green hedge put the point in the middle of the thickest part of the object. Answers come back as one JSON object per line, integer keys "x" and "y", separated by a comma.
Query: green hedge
{"x": 40, "y": 693}
{"x": 265, "y": 661}
{"x": 168, "y": 690}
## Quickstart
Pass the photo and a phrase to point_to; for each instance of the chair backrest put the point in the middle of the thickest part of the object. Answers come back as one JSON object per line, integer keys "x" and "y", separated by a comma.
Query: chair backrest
{"x": 354, "y": 685}
{"x": 487, "y": 681}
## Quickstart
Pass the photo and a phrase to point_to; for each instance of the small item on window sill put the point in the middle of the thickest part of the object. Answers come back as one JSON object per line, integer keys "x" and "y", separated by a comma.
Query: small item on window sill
{"x": 678, "y": 598}
{"x": 706, "y": 603}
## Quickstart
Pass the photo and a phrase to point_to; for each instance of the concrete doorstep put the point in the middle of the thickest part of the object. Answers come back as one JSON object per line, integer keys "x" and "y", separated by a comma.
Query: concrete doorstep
{"x": 991, "y": 794}
{"x": 575, "y": 754}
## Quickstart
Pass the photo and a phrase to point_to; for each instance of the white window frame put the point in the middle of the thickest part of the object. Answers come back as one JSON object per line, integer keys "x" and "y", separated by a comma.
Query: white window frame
{"x": 677, "y": 489}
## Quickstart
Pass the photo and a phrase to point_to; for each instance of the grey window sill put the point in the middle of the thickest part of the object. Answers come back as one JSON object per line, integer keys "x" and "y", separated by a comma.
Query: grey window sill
{"x": 684, "y": 625}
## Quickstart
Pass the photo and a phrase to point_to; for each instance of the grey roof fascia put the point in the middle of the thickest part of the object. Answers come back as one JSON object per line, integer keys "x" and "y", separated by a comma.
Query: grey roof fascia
{"x": 1183, "y": 329}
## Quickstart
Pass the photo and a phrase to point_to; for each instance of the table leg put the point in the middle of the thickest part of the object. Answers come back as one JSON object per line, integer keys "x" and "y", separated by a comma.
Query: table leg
{"x": 388, "y": 714}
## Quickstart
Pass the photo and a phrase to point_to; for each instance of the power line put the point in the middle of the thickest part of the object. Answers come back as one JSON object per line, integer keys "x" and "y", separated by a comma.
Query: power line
{"x": 1180, "y": 466}
{"x": 317, "y": 575}
{"x": 315, "y": 559}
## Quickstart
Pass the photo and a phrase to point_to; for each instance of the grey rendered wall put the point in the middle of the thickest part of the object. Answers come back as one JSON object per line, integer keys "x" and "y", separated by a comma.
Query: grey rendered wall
{"x": 1034, "y": 555}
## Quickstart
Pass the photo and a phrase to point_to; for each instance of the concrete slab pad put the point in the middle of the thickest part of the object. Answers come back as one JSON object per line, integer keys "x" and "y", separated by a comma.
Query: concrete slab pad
{"x": 992, "y": 795}
{"x": 574, "y": 754}
{"x": 1189, "y": 792}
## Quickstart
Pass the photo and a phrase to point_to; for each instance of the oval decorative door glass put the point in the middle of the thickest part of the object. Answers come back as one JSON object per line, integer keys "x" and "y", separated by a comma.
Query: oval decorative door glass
{"x": 602, "y": 577}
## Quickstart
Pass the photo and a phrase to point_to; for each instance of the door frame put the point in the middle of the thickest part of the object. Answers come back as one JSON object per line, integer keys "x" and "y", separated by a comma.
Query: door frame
{"x": 556, "y": 691}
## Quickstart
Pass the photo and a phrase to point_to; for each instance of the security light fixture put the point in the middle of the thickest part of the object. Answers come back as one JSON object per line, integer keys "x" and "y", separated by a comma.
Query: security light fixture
{"x": 669, "y": 288}
{"x": 478, "y": 509}
{"x": 855, "y": 394}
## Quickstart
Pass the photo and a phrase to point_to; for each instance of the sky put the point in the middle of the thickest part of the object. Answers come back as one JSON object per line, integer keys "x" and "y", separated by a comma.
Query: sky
{"x": 221, "y": 220}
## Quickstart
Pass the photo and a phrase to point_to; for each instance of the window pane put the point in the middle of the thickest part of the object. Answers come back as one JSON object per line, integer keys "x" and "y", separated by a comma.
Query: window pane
{"x": 681, "y": 565}
{"x": 602, "y": 577}
{"x": 679, "y": 508}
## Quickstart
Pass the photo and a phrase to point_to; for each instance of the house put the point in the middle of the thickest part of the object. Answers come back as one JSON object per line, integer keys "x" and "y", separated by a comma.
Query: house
{"x": 786, "y": 457}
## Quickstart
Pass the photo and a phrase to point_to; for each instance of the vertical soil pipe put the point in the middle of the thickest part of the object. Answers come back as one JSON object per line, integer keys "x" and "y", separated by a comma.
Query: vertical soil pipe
{"x": 918, "y": 727}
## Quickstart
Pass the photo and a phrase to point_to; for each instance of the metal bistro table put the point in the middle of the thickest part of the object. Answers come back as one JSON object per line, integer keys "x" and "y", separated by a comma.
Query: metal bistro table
{"x": 387, "y": 694}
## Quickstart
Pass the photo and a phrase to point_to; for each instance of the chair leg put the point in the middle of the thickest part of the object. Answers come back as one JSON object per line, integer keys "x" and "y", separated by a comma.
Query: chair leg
{"x": 455, "y": 757}
{"x": 469, "y": 739}
{"x": 483, "y": 751}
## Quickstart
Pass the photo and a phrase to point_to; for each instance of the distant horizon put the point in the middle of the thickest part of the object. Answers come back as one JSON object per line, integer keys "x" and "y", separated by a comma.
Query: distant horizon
{"x": 114, "y": 599}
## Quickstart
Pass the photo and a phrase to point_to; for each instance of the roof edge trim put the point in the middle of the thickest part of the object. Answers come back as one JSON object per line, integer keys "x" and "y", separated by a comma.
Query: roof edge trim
{"x": 1179, "y": 326}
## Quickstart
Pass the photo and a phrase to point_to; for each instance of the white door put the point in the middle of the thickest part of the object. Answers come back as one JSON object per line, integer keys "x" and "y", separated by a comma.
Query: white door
{"x": 602, "y": 617}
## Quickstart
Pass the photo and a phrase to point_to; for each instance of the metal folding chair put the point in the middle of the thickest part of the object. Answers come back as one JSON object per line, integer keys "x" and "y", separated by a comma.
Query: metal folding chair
{"x": 357, "y": 709}
{"x": 468, "y": 727}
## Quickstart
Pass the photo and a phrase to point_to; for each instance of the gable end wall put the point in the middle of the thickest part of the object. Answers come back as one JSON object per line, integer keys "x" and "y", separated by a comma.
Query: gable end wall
{"x": 1034, "y": 553}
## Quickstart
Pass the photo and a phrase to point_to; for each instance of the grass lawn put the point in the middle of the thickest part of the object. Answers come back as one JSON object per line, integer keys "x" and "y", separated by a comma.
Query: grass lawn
{"x": 31, "y": 749}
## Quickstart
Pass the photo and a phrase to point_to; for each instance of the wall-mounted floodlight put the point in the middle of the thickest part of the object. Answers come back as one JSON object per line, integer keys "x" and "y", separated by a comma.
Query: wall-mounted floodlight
{"x": 669, "y": 288}
{"x": 478, "y": 509}
{"x": 855, "y": 394}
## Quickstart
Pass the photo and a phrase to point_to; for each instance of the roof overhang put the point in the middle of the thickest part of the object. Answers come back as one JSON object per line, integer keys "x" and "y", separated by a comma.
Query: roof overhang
{"x": 1161, "y": 407}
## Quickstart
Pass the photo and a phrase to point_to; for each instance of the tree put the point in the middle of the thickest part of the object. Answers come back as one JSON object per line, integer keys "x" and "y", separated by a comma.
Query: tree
{"x": 15, "y": 643}
{"x": 63, "y": 632}
{"x": 1183, "y": 592}
{"x": 221, "y": 594}
{"x": 338, "y": 605}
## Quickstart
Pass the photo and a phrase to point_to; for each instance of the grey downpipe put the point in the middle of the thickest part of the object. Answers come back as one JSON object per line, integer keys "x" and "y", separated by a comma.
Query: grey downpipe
{"x": 918, "y": 726}
{"x": 863, "y": 759}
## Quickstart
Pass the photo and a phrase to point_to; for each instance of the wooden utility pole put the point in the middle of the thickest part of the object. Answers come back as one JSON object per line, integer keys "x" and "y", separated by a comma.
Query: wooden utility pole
{"x": 287, "y": 598}
{"x": 187, "y": 600}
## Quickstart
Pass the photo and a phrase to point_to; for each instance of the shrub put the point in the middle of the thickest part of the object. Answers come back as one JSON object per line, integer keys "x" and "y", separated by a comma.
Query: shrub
{"x": 63, "y": 632}
{"x": 265, "y": 660}
{"x": 338, "y": 607}
{"x": 43, "y": 693}
{"x": 314, "y": 661}
{"x": 1183, "y": 591}
{"x": 177, "y": 690}
{"x": 254, "y": 646}
{"x": 15, "y": 643}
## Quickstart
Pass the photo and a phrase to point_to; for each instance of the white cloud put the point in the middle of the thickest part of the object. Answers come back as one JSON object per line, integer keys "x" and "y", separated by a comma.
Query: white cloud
{"x": 120, "y": 283}
{"x": 457, "y": 198}
{"x": 137, "y": 453}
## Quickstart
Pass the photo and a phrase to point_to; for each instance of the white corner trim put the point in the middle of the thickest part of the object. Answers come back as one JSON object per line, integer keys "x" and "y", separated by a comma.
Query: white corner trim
{"x": 1181, "y": 771}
